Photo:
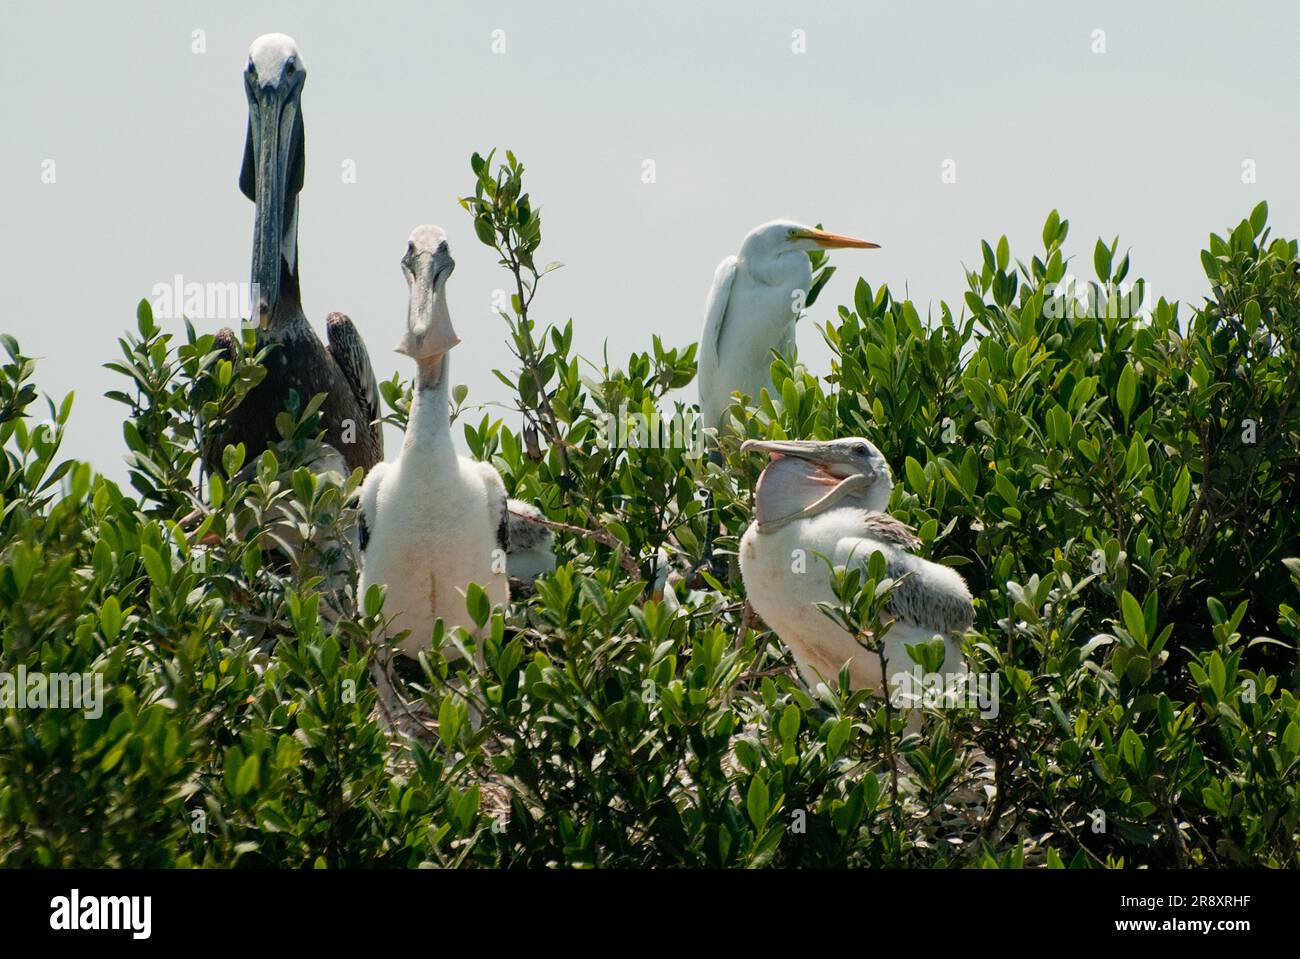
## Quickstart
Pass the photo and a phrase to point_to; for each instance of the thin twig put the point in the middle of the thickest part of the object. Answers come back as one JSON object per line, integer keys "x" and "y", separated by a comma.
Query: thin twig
{"x": 746, "y": 622}
{"x": 600, "y": 535}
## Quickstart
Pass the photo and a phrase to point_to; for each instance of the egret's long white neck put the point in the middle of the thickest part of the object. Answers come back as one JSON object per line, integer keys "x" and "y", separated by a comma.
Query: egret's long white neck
{"x": 429, "y": 425}
{"x": 787, "y": 268}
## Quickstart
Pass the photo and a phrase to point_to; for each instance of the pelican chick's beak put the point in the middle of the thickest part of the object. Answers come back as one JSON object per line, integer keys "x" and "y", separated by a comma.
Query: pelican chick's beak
{"x": 814, "y": 451}
{"x": 805, "y": 477}
{"x": 835, "y": 241}
{"x": 429, "y": 333}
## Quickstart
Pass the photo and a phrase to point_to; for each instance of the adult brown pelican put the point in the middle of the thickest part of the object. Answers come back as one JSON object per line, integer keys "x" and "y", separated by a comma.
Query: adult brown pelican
{"x": 272, "y": 177}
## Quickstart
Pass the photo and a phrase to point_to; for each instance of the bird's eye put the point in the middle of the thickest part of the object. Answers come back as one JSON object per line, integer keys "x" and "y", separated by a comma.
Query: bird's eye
{"x": 290, "y": 65}
{"x": 250, "y": 66}
{"x": 860, "y": 449}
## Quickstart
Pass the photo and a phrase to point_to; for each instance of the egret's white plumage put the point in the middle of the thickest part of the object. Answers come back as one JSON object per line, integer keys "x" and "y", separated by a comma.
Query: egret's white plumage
{"x": 432, "y": 522}
{"x": 751, "y": 310}
{"x": 830, "y": 499}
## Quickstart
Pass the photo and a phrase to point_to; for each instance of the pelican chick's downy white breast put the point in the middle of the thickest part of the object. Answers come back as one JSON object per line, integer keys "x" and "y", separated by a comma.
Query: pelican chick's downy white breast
{"x": 432, "y": 537}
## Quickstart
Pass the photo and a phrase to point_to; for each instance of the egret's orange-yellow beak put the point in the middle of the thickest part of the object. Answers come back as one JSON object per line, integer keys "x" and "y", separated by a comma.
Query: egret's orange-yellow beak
{"x": 836, "y": 241}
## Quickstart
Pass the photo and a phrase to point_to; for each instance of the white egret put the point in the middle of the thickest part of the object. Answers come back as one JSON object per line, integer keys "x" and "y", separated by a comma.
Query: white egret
{"x": 752, "y": 307}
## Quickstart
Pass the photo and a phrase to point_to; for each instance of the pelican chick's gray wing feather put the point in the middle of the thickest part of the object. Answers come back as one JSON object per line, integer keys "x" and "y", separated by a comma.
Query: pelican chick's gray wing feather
{"x": 928, "y": 595}
{"x": 532, "y": 545}
{"x": 879, "y": 525}
{"x": 525, "y": 532}
{"x": 919, "y": 600}
{"x": 353, "y": 360}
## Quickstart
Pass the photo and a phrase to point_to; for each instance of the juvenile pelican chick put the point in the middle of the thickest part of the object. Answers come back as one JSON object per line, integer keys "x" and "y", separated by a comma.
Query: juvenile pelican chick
{"x": 432, "y": 522}
{"x": 830, "y": 498}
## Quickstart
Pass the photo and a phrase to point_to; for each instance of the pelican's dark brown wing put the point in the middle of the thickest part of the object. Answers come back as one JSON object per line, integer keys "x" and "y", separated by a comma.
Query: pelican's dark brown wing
{"x": 227, "y": 341}
{"x": 350, "y": 356}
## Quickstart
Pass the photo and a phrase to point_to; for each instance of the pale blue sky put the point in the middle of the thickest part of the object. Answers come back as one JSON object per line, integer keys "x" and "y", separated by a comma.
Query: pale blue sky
{"x": 1145, "y": 140}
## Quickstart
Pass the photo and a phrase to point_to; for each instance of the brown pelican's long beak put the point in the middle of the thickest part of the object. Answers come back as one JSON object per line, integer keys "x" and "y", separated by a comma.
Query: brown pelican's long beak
{"x": 429, "y": 334}
{"x": 836, "y": 241}
{"x": 799, "y": 482}
{"x": 271, "y": 177}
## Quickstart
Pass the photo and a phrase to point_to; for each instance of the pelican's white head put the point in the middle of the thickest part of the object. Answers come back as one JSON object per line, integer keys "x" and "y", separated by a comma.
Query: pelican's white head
{"x": 806, "y": 477}
{"x": 428, "y": 265}
{"x": 273, "y": 58}
{"x": 274, "y": 162}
